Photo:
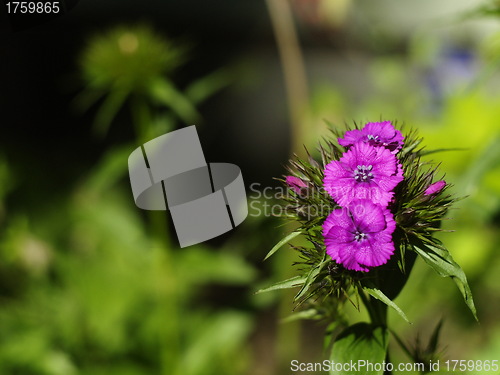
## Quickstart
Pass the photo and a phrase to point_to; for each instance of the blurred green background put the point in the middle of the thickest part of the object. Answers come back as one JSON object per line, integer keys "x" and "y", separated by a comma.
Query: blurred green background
{"x": 90, "y": 284}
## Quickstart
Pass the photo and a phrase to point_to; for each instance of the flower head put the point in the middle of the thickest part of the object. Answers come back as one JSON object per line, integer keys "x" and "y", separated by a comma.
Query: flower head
{"x": 359, "y": 236}
{"x": 436, "y": 187}
{"x": 377, "y": 134}
{"x": 363, "y": 172}
{"x": 295, "y": 183}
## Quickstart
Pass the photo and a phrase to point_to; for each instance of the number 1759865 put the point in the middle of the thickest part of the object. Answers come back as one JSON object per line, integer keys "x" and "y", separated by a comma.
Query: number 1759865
{"x": 32, "y": 7}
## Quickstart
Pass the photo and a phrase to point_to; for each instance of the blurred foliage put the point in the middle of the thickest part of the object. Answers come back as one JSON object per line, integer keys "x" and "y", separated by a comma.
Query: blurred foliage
{"x": 136, "y": 66}
{"x": 95, "y": 286}
{"x": 95, "y": 294}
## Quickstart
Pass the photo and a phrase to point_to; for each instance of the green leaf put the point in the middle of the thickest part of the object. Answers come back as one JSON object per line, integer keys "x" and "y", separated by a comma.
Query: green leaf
{"x": 207, "y": 86}
{"x": 285, "y": 284}
{"x": 486, "y": 161}
{"x": 360, "y": 343}
{"x": 111, "y": 168}
{"x": 108, "y": 110}
{"x": 429, "y": 152}
{"x": 276, "y": 247}
{"x": 87, "y": 98}
{"x": 201, "y": 265}
{"x": 311, "y": 278}
{"x": 329, "y": 333}
{"x": 164, "y": 92}
{"x": 433, "y": 342}
{"x": 377, "y": 293}
{"x": 217, "y": 338}
{"x": 309, "y": 314}
{"x": 442, "y": 262}
{"x": 402, "y": 344}
{"x": 389, "y": 278}
{"x": 409, "y": 148}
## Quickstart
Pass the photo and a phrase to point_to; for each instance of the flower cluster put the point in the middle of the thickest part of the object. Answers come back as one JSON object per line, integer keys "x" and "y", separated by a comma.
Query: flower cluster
{"x": 370, "y": 204}
{"x": 358, "y": 235}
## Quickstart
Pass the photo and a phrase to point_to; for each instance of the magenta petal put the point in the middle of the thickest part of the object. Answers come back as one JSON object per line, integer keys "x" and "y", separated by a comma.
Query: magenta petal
{"x": 339, "y": 217}
{"x": 399, "y": 173}
{"x": 384, "y": 134}
{"x": 332, "y": 249}
{"x": 359, "y": 236}
{"x": 385, "y": 163}
{"x": 383, "y": 129}
{"x": 374, "y": 254}
{"x": 347, "y": 257}
{"x": 363, "y": 172}
{"x": 336, "y": 169}
{"x": 436, "y": 187}
{"x": 381, "y": 134}
{"x": 368, "y": 216}
{"x": 381, "y": 237}
{"x": 390, "y": 182}
{"x": 373, "y": 193}
{"x": 295, "y": 183}
{"x": 340, "y": 235}
{"x": 363, "y": 152}
{"x": 351, "y": 137}
{"x": 390, "y": 222}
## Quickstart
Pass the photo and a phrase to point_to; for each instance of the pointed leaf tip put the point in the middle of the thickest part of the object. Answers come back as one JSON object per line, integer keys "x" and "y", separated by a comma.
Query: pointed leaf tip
{"x": 283, "y": 241}
{"x": 440, "y": 259}
{"x": 378, "y": 294}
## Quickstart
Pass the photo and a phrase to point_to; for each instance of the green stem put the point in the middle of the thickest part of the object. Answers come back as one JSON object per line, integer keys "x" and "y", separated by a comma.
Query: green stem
{"x": 288, "y": 335}
{"x": 294, "y": 72}
{"x": 377, "y": 310}
{"x": 402, "y": 344}
{"x": 296, "y": 89}
{"x": 141, "y": 117}
{"x": 170, "y": 335}
{"x": 378, "y": 316}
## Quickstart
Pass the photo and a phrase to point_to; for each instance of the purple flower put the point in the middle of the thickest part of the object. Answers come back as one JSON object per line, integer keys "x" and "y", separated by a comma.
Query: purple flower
{"x": 295, "y": 183}
{"x": 436, "y": 187}
{"x": 359, "y": 236}
{"x": 363, "y": 172}
{"x": 376, "y": 134}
